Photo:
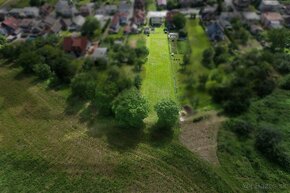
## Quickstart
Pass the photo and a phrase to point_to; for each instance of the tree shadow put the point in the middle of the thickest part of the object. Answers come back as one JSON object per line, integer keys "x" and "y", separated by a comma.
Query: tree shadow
{"x": 74, "y": 105}
{"x": 119, "y": 138}
{"x": 160, "y": 136}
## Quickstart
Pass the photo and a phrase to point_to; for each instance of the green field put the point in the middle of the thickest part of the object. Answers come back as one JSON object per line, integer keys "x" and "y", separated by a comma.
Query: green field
{"x": 198, "y": 42}
{"x": 45, "y": 147}
{"x": 158, "y": 80}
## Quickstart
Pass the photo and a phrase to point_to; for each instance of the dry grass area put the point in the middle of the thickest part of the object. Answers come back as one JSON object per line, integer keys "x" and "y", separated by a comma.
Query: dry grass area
{"x": 200, "y": 136}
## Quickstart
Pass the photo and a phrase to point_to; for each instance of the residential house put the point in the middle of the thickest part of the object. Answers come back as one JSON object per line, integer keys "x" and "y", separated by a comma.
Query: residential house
{"x": 169, "y": 19}
{"x": 208, "y": 13}
{"x": 78, "y": 22}
{"x": 115, "y": 24}
{"x": 125, "y": 6}
{"x": 45, "y": 9}
{"x": 11, "y": 25}
{"x": 215, "y": 32}
{"x": 31, "y": 12}
{"x": 140, "y": 4}
{"x": 103, "y": 19}
{"x": 86, "y": 10}
{"x": 161, "y": 4}
{"x": 225, "y": 19}
{"x": 256, "y": 29}
{"x": 65, "y": 8}
{"x": 75, "y": 45}
{"x": 156, "y": 18}
{"x": 26, "y": 25}
{"x": 156, "y": 21}
{"x": 3, "y": 14}
{"x": 270, "y": 6}
{"x": 242, "y": 4}
{"x": 99, "y": 53}
{"x": 251, "y": 17}
{"x": 123, "y": 17}
{"x": 16, "y": 13}
{"x": 49, "y": 21}
{"x": 66, "y": 23}
{"x": 272, "y": 20}
{"x": 107, "y": 10}
{"x": 56, "y": 27}
{"x": 139, "y": 17}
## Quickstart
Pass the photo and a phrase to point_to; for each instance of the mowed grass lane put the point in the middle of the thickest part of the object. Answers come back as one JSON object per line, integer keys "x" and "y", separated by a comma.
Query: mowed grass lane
{"x": 158, "y": 80}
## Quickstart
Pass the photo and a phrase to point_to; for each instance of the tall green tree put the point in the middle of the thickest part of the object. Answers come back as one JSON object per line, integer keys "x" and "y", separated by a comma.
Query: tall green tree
{"x": 130, "y": 108}
{"x": 90, "y": 26}
{"x": 279, "y": 39}
{"x": 179, "y": 21}
{"x": 167, "y": 112}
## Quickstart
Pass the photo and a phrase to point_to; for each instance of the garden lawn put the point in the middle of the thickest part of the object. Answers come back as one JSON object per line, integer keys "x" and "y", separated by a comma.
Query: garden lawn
{"x": 198, "y": 41}
{"x": 158, "y": 76}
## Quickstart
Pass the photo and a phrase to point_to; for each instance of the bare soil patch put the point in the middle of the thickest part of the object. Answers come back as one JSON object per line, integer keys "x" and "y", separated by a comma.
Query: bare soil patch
{"x": 199, "y": 135}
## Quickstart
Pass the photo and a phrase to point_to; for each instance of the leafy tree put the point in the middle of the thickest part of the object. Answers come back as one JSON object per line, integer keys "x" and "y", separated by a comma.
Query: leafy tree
{"x": 285, "y": 83}
{"x": 279, "y": 38}
{"x": 2, "y": 41}
{"x": 167, "y": 112}
{"x": 43, "y": 71}
{"x": 27, "y": 60}
{"x": 240, "y": 127}
{"x": 64, "y": 69}
{"x": 36, "y": 2}
{"x": 138, "y": 81}
{"x": 88, "y": 64}
{"x": 130, "y": 108}
{"x": 90, "y": 26}
{"x": 207, "y": 59}
{"x": 142, "y": 52}
{"x": 101, "y": 63}
{"x": 84, "y": 86}
{"x": 179, "y": 21}
{"x": 104, "y": 97}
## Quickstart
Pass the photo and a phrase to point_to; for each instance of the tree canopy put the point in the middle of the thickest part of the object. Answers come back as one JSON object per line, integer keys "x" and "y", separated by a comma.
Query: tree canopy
{"x": 167, "y": 112}
{"x": 130, "y": 108}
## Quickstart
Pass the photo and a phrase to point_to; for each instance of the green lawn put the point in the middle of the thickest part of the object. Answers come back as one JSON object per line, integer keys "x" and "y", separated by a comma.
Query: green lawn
{"x": 198, "y": 42}
{"x": 47, "y": 146}
{"x": 158, "y": 80}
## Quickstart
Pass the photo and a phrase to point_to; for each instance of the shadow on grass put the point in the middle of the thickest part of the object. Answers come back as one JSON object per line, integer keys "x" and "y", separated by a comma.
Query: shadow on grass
{"x": 160, "y": 136}
{"x": 119, "y": 138}
{"x": 74, "y": 105}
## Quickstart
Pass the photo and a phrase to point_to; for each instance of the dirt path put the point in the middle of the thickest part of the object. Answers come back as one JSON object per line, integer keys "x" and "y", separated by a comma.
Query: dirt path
{"x": 201, "y": 137}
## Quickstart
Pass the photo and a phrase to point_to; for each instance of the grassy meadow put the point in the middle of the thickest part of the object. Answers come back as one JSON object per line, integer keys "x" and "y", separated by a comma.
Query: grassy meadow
{"x": 158, "y": 80}
{"x": 47, "y": 144}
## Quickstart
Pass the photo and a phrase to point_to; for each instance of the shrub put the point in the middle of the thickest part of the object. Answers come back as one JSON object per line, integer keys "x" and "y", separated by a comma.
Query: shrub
{"x": 43, "y": 71}
{"x": 285, "y": 83}
{"x": 240, "y": 127}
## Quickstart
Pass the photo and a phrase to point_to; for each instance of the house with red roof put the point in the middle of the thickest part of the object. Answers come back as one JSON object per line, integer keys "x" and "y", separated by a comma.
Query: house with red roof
{"x": 11, "y": 24}
{"x": 76, "y": 45}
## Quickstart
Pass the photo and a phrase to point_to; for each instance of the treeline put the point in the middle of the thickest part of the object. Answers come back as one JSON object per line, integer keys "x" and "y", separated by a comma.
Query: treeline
{"x": 236, "y": 79}
{"x": 43, "y": 57}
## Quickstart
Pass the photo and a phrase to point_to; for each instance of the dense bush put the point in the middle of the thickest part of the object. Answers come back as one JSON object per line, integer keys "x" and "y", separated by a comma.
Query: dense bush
{"x": 268, "y": 141}
{"x": 240, "y": 127}
{"x": 285, "y": 83}
{"x": 84, "y": 86}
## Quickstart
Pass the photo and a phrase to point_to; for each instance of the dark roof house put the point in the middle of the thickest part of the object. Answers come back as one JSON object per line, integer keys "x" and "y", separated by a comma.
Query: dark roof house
{"x": 215, "y": 32}
{"x": 11, "y": 24}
